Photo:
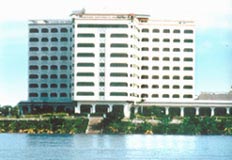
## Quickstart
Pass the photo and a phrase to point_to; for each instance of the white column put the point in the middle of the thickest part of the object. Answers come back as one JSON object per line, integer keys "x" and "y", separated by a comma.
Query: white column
{"x": 110, "y": 108}
{"x": 212, "y": 111}
{"x": 136, "y": 110}
{"x": 93, "y": 108}
{"x": 77, "y": 109}
{"x": 126, "y": 110}
{"x": 197, "y": 111}
{"x": 166, "y": 110}
{"x": 182, "y": 111}
{"x": 228, "y": 110}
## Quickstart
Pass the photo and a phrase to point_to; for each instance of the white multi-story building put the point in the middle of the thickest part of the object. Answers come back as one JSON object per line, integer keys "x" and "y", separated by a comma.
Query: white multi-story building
{"x": 99, "y": 62}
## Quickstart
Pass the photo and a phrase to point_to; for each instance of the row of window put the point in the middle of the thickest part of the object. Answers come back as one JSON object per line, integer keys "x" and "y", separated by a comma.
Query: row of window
{"x": 47, "y": 49}
{"x": 45, "y": 58}
{"x": 45, "y": 76}
{"x": 167, "y": 40}
{"x": 102, "y": 94}
{"x": 46, "y": 30}
{"x": 113, "y": 35}
{"x": 156, "y": 49}
{"x": 53, "y": 39}
{"x": 44, "y": 85}
{"x": 167, "y": 68}
{"x": 156, "y": 30}
{"x": 45, "y": 67}
{"x": 113, "y": 45}
{"x": 186, "y": 96}
{"x": 155, "y": 86}
{"x": 46, "y": 95}
{"x": 185, "y": 59}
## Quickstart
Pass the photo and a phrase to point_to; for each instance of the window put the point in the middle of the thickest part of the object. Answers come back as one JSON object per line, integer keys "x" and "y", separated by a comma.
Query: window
{"x": 165, "y": 77}
{"x": 85, "y": 74}
{"x": 155, "y": 77}
{"x": 64, "y": 39}
{"x": 188, "y": 68}
{"x": 165, "y": 86}
{"x": 44, "y": 39}
{"x": 166, "y": 40}
{"x": 176, "y": 87}
{"x": 188, "y": 87}
{"x": 176, "y": 31}
{"x": 118, "y": 65}
{"x": 63, "y": 95}
{"x": 53, "y": 49}
{"x": 118, "y": 74}
{"x": 119, "y": 45}
{"x": 176, "y": 59}
{"x": 63, "y": 58}
{"x": 145, "y": 40}
{"x": 144, "y": 77}
{"x": 44, "y": 58}
{"x": 155, "y": 49}
{"x": 33, "y": 39}
{"x": 102, "y": 45}
{"x": 54, "y": 58}
{"x": 34, "y": 30}
{"x": 33, "y": 94}
{"x": 102, "y": 26}
{"x": 175, "y": 96}
{"x": 155, "y": 58}
{"x": 188, "y": 41}
{"x": 102, "y": 84}
{"x": 102, "y": 54}
{"x": 53, "y": 85}
{"x": 187, "y": 59}
{"x": 118, "y": 84}
{"x": 176, "y": 77}
{"x": 33, "y": 76}
{"x": 44, "y": 30}
{"x": 44, "y": 85}
{"x": 44, "y": 48}
{"x": 155, "y": 68}
{"x": 54, "y": 39}
{"x": 166, "y": 59}
{"x": 144, "y": 86}
{"x": 85, "y": 64}
{"x": 165, "y": 68}
{"x": 118, "y": 55}
{"x": 85, "y": 84}
{"x": 145, "y": 49}
{"x": 102, "y": 35}
{"x": 188, "y": 78}
{"x": 53, "y": 76}
{"x": 33, "y": 58}
{"x": 44, "y": 95}
{"x": 144, "y": 68}
{"x": 155, "y": 40}
{"x": 53, "y": 95}
{"x": 101, "y": 74}
{"x": 145, "y": 30}
{"x": 85, "y": 35}
{"x": 165, "y": 96}
{"x": 63, "y": 48}
{"x": 176, "y": 68}
{"x": 166, "y": 31}
{"x": 101, "y": 94}
{"x": 63, "y": 76}
{"x": 166, "y": 49}
{"x": 176, "y": 40}
{"x": 119, "y": 35}
{"x": 54, "y": 30}
{"x": 118, "y": 94}
{"x": 63, "y": 30}
{"x": 53, "y": 67}
{"x": 155, "y": 96}
{"x": 188, "y": 50}
{"x": 176, "y": 49}
{"x": 155, "y": 86}
{"x": 85, "y": 45}
{"x": 145, "y": 58}
{"x": 85, "y": 54}
{"x": 102, "y": 64}
{"x": 33, "y": 48}
{"x": 44, "y": 76}
{"x": 33, "y": 85}
{"x": 188, "y": 31}
{"x": 63, "y": 85}
{"x": 188, "y": 96}
{"x": 63, "y": 67}
{"x": 155, "y": 30}
{"x": 85, "y": 93}
{"x": 44, "y": 67}
{"x": 33, "y": 67}
{"x": 144, "y": 95}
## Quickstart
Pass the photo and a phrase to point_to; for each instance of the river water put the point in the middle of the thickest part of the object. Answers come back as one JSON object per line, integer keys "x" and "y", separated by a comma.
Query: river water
{"x": 114, "y": 147}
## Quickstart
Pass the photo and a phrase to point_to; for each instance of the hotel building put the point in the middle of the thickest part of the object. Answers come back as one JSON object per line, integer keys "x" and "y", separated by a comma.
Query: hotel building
{"x": 109, "y": 62}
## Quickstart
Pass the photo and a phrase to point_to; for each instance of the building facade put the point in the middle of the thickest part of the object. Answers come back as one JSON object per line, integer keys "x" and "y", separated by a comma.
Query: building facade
{"x": 101, "y": 62}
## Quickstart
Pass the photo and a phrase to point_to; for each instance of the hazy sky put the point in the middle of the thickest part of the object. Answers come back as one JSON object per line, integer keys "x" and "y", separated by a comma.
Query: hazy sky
{"x": 213, "y": 36}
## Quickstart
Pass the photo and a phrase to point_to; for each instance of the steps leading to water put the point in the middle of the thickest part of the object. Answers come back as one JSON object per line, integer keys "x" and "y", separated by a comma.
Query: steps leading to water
{"x": 92, "y": 125}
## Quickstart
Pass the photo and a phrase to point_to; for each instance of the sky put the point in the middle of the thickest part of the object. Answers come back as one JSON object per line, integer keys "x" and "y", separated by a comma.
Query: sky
{"x": 213, "y": 20}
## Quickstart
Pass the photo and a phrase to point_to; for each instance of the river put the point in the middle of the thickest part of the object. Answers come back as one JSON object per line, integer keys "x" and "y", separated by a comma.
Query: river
{"x": 114, "y": 147}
